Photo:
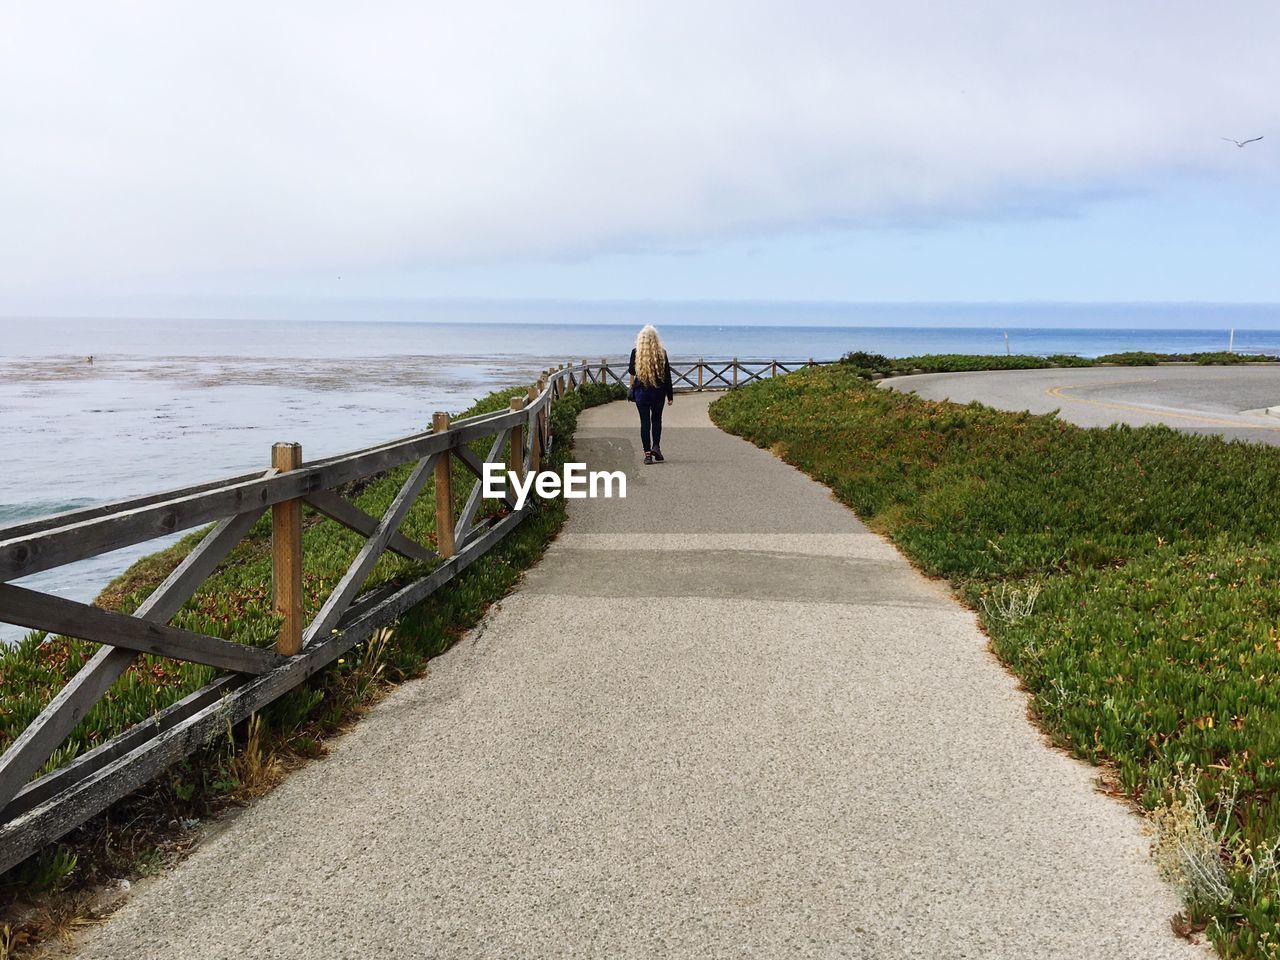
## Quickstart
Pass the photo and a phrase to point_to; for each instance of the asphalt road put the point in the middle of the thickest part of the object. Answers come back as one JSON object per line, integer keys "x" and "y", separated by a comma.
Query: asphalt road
{"x": 1222, "y": 400}
{"x": 719, "y": 719}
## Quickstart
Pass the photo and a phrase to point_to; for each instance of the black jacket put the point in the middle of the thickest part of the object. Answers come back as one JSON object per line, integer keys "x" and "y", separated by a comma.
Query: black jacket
{"x": 665, "y": 385}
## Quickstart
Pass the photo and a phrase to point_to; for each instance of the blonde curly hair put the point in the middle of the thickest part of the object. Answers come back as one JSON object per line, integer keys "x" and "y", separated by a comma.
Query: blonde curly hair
{"x": 650, "y": 357}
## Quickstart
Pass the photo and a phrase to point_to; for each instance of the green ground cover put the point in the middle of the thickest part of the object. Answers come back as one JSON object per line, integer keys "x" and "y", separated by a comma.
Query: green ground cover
{"x": 235, "y": 604}
{"x": 1128, "y": 576}
{"x": 870, "y": 364}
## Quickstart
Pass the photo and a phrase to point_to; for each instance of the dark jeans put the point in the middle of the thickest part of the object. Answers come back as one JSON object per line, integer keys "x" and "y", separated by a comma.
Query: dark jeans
{"x": 649, "y": 402}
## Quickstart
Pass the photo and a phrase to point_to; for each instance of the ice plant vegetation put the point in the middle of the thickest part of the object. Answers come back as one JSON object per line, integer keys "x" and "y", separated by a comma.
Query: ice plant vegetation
{"x": 1153, "y": 642}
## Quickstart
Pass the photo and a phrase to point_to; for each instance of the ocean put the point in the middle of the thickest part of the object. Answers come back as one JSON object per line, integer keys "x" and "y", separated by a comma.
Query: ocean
{"x": 166, "y": 403}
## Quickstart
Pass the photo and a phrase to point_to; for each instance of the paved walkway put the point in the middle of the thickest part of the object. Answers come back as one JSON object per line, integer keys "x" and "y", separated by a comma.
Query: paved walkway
{"x": 1230, "y": 401}
{"x": 720, "y": 719}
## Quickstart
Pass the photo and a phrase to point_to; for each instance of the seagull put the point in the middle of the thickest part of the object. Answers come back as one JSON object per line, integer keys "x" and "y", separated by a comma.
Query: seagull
{"x": 1241, "y": 143}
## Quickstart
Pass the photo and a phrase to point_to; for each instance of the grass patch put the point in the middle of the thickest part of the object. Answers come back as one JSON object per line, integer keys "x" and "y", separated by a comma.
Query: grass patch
{"x": 1128, "y": 576}
{"x": 153, "y": 826}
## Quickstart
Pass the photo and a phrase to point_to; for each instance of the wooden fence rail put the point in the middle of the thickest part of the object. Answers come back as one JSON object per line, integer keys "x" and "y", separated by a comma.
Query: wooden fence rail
{"x": 34, "y": 812}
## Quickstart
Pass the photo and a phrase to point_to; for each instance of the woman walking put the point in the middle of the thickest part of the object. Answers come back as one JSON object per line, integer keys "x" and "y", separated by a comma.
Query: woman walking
{"x": 650, "y": 384}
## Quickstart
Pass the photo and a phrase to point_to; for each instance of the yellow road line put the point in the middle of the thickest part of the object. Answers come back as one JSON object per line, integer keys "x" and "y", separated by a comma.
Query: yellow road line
{"x": 1057, "y": 393}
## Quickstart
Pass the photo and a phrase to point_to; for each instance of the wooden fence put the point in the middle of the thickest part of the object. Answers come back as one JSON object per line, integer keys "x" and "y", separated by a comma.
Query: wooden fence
{"x": 701, "y": 374}
{"x": 34, "y": 812}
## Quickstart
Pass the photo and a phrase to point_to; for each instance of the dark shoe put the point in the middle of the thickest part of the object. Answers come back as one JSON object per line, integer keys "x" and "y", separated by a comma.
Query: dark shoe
{"x": 648, "y": 457}
{"x": 657, "y": 455}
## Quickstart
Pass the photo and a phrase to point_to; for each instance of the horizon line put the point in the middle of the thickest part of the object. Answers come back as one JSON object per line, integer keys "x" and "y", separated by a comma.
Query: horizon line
{"x": 160, "y": 299}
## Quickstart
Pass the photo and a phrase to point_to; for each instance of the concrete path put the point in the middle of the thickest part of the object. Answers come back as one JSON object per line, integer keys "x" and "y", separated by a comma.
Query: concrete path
{"x": 720, "y": 719}
{"x": 1230, "y": 401}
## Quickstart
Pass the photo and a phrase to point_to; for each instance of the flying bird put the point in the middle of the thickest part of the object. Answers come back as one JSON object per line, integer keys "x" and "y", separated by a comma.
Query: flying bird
{"x": 1241, "y": 143}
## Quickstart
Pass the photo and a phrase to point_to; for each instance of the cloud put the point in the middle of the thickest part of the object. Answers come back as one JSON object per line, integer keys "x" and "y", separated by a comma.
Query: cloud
{"x": 172, "y": 144}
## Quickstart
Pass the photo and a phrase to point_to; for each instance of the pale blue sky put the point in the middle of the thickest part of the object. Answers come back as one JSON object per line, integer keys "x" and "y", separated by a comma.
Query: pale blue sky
{"x": 999, "y": 151}
{"x": 1176, "y": 239}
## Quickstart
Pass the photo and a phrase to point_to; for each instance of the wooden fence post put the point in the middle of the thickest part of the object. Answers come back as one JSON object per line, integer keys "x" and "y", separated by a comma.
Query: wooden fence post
{"x": 604, "y": 371}
{"x": 532, "y": 427}
{"x": 545, "y": 414}
{"x": 735, "y": 371}
{"x": 700, "y": 373}
{"x": 774, "y": 371}
{"x": 536, "y": 441}
{"x": 515, "y": 454}
{"x": 444, "y": 491}
{"x": 286, "y": 555}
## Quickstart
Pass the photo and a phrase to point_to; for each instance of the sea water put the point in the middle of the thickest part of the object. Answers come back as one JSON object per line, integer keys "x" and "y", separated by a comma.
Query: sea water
{"x": 167, "y": 403}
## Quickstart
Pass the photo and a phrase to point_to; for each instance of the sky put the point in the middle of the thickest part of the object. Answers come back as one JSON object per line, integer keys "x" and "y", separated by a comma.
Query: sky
{"x": 901, "y": 151}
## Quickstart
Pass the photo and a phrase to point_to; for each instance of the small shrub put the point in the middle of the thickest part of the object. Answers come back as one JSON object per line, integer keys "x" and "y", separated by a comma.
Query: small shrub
{"x": 1201, "y": 851}
{"x": 1132, "y": 358}
{"x": 1007, "y": 603}
{"x": 1188, "y": 845}
{"x": 875, "y": 362}
{"x": 1069, "y": 360}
